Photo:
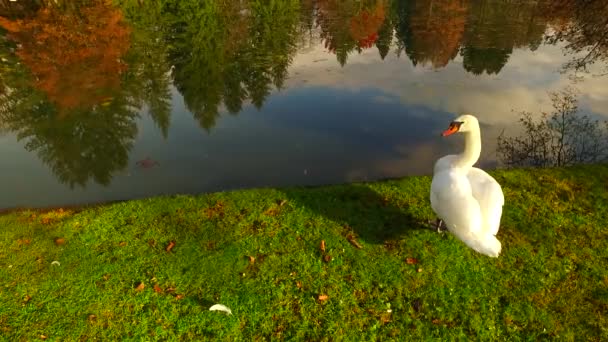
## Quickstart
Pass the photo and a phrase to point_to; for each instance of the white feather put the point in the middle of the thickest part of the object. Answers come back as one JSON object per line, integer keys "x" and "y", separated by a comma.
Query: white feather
{"x": 220, "y": 307}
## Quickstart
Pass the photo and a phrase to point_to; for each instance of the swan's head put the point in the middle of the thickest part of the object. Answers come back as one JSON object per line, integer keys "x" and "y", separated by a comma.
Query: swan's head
{"x": 462, "y": 124}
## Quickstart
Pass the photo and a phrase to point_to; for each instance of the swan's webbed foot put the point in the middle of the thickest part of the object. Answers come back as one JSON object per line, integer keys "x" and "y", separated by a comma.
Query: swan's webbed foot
{"x": 438, "y": 226}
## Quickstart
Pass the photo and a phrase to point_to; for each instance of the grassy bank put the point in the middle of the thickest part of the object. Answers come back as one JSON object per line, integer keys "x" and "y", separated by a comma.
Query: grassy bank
{"x": 152, "y": 268}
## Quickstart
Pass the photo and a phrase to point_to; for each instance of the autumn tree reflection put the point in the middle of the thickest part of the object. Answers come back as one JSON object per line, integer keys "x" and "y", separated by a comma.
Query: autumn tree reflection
{"x": 82, "y": 146}
{"x": 435, "y": 30}
{"x": 66, "y": 100}
{"x": 75, "y": 57}
{"x": 348, "y": 26}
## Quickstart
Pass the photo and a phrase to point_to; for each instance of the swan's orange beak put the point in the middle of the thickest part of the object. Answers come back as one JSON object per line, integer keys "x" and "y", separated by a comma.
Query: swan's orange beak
{"x": 453, "y": 128}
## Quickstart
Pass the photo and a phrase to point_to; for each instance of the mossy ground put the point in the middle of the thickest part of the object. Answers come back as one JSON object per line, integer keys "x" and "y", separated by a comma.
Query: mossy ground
{"x": 259, "y": 252}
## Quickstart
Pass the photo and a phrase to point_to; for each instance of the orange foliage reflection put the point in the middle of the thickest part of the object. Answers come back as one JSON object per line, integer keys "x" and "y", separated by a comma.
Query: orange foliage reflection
{"x": 75, "y": 58}
{"x": 437, "y": 29}
{"x": 364, "y": 26}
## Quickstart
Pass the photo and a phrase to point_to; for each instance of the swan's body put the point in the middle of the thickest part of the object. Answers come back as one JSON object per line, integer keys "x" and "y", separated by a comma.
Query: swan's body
{"x": 466, "y": 198}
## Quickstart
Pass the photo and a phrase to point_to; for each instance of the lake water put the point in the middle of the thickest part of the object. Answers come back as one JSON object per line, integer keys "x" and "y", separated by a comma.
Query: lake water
{"x": 107, "y": 102}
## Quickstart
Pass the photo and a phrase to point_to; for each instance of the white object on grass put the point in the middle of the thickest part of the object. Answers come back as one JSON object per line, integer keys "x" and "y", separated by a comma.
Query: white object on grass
{"x": 55, "y": 262}
{"x": 220, "y": 307}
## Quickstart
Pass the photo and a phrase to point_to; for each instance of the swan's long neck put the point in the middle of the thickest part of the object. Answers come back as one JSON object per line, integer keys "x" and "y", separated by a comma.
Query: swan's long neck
{"x": 472, "y": 148}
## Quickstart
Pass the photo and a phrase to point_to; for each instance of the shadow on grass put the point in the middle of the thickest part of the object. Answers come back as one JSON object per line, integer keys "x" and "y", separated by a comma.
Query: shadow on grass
{"x": 370, "y": 215}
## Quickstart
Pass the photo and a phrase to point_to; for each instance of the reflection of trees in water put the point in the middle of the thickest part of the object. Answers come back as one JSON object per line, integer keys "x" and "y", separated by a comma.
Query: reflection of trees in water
{"x": 240, "y": 51}
{"x": 435, "y": 31}
{"x": 73, "y": 86}
{"x": 348, "y": 26}
{"x": 76, "y": 58}
{"x": 494, "y": 29}
{"x": 65, "y": 85}
{"x": 147, "y": 79}
{"x": 583, "y": 26}
{"x": 79, "y": 146}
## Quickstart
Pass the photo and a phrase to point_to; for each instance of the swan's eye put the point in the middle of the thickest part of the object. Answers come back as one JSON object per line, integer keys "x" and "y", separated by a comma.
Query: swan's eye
{"x": 456, "y": 125}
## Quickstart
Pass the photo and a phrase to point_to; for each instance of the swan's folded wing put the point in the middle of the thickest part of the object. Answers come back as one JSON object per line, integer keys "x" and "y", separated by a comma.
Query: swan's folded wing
{"x": 488, "y": 194}
{"x": 453, "y": 202}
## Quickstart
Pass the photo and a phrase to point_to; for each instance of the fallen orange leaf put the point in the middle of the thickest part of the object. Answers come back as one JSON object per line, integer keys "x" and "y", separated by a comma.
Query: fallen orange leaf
{"x": 157, "y": 289}
{"x": 179, "y": 296}
{"x": 59, "y": 241}
{"x": 353, "y": 242}
{"x": 411, "y": 261}
{"x": 170, "y": 246}
{"x": 24, "y": 241}
{"x": 323, "y": 297}
{"x": 140, "y": 287}
{"x": 322, "y": 245}
{"x": 251, "y": 259}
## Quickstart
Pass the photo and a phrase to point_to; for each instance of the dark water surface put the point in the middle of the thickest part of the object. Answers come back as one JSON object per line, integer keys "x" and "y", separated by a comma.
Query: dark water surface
{"x": 103, "y": 102}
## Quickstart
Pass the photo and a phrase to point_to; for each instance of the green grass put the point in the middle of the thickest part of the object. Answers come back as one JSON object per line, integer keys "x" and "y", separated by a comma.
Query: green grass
{"x": 550, "y": 282}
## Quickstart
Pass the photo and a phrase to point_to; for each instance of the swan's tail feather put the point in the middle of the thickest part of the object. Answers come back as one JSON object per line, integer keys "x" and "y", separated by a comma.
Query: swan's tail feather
{"x": 490, "y": 246}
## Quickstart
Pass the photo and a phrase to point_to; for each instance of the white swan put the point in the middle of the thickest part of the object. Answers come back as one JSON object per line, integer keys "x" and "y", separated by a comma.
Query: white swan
{"x": 466, "y": 198}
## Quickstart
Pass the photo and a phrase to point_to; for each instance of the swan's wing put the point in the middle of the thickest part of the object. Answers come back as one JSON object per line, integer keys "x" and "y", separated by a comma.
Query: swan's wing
{"x": 452, "y": 201}
{"x": 488, "y": 194}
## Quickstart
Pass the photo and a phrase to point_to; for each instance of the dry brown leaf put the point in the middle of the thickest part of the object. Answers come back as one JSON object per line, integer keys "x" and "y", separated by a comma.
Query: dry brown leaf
{"x": 282, "y": 202}
{"x": 323, "y": 297}
{"x": 92, "y": 317}
{"x": 24, "y": 241}
{"x": 322, "y": 245}
{"x": 43, "y": 337}
{"x": 157, "y": 289}
{"x": 27, "y": 298}
{"x": 436, "y": 321}
{"x": 170, "y": 246}
{"x": 170, "y": 289}
{"x": 180, "y": 296}
{"x": 299, "y": 284}
{"x": 106, "y": 276}
{"x": 411, "y": 261}
{"x": 327, "y": 258}
{"x": 251, "y": 259}
{"x": 140, "y": 287}
{"x": 353, "y": 242}
{"x": 385, "y": 318}
{"x": 59, "y": 241}
{"x": 122, "y": 243}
